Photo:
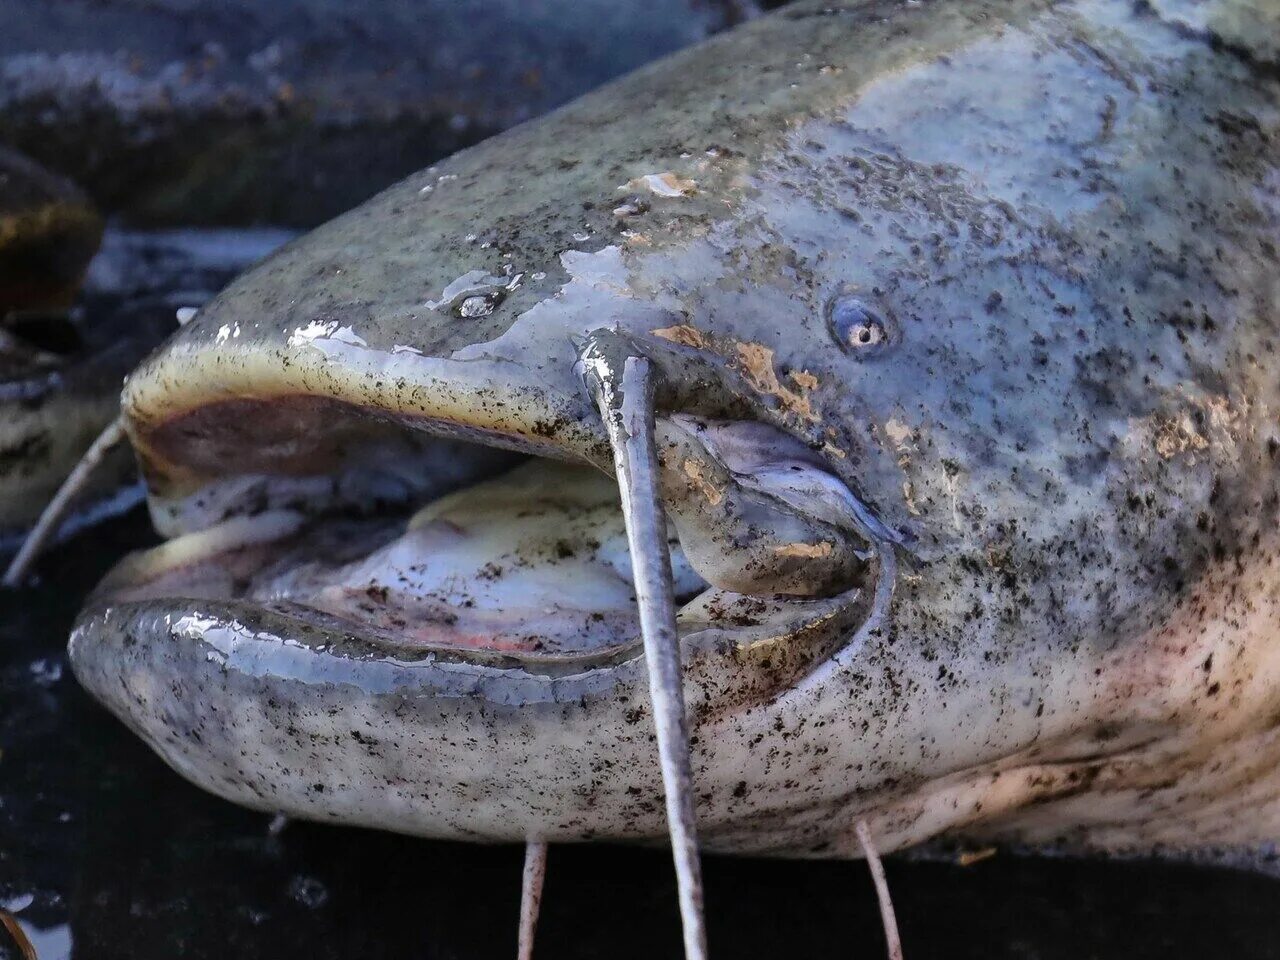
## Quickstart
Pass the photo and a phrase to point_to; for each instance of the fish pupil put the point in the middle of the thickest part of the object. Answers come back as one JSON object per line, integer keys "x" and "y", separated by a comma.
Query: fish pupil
{"x": 853, "y": 324}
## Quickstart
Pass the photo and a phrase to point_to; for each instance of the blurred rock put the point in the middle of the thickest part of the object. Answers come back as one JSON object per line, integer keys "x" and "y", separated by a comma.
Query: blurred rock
{"x": 49, "y": 230}
{"x": 291, "y": 111}
{"x": 184, "y": 267}
{"x": 60, "y": 374}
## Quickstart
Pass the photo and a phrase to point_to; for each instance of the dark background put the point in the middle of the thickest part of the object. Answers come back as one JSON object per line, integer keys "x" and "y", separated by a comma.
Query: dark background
{"x": 289, "y": 112}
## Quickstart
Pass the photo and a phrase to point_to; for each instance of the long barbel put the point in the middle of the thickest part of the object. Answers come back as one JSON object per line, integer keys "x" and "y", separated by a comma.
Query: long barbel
{"x": 623, "y": 385}
{"x": 893, "y": 942}
{"x": 56, "y": 511}
{"x": 531, "y": 881}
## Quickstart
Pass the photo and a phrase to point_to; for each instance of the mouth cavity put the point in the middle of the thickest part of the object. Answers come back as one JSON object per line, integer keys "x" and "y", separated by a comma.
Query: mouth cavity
{"x": 524, "y": 560}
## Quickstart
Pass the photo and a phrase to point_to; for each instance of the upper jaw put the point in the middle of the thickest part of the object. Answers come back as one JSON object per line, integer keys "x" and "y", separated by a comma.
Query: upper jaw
{"x": 197, "y": 417}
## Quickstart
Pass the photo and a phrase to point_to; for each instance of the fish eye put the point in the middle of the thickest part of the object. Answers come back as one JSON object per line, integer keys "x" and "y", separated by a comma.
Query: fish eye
{"x": 866, "y": 334}
{"x": 856, "y": 327}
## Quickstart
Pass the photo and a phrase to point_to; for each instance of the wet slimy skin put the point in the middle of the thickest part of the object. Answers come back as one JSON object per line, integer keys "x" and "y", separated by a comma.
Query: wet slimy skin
{"x": 965, "y": 316}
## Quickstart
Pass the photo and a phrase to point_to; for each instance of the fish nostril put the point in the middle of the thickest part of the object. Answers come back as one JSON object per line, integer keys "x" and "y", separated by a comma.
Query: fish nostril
{"x": 857, "y": 327}
{"x": 478, "y": 305}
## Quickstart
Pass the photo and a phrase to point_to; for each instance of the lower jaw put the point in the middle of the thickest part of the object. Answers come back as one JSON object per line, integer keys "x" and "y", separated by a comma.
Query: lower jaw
{"x": 281, "y": 706}
{"x": 279, "y": 709}
{"x": 275, "y": 708}
{"x": 326, "y": 726}
{"x": 281, "y": 714}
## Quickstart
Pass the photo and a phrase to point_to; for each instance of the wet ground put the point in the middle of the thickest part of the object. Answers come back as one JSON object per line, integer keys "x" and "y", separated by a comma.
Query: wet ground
{"x": 105, "y": 853}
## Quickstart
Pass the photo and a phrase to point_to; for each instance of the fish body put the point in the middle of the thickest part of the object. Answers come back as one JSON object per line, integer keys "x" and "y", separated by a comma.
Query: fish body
{"x": 963, "y": 318}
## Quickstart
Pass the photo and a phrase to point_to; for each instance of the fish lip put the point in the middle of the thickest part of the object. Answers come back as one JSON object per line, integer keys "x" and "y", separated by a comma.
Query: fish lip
{"x": 535, "y": 404}
{"x": 782, "y": 627}
{"x": 287, "y": 640}
{"x": 488, "y": 402}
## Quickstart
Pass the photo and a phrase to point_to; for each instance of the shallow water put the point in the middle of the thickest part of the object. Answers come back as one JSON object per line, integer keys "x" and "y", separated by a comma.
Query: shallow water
{"x": 105, "y": 853}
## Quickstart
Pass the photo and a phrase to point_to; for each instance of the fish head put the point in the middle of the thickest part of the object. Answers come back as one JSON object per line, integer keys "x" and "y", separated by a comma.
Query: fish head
{"x": 927, "y": 523}
{"x": 416, "y": 516}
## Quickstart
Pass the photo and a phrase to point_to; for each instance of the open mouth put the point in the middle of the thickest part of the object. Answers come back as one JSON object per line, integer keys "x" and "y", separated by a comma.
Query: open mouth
{"x": 530, "y": 564}
{"x": 455, "y": 531}
{"x": 524, "y": 561}
{"x": 490, "y": 564}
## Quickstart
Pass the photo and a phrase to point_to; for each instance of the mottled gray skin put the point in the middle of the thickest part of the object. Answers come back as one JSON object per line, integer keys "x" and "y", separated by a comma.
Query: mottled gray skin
{"x": 1065, "y": 217}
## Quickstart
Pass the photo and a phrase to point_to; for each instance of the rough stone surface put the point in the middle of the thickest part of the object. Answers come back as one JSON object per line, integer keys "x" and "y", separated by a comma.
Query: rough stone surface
{"x": 209, "y": 111}
{"x": 48, "y": 231}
